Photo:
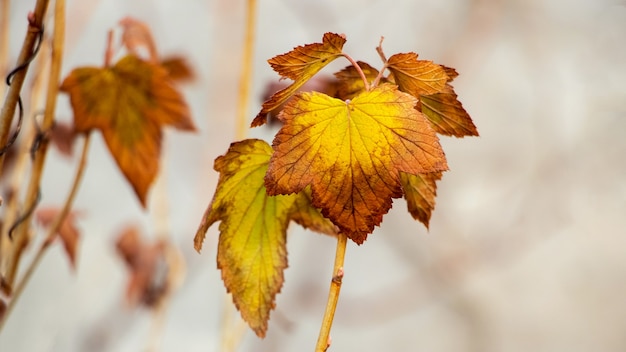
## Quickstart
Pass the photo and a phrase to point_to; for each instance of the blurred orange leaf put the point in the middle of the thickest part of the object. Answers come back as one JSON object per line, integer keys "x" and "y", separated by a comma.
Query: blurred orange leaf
{"x": 62, "y": 136}
{"x": 128, "y": 103}
{"x": 148, "y": 281}
{"x": 67, "y": 232}
{"x": 299, "y": 65}
{"x": 420, "y": 191}
{"x": 351, "y": 154}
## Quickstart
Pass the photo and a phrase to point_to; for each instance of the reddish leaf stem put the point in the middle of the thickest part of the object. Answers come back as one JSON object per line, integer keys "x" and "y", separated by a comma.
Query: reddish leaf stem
{"x": 379, "y": 50}
{"x": 359, "y": 70}
{"x": 323, "y": 340}
{"x": 108, "y": 53}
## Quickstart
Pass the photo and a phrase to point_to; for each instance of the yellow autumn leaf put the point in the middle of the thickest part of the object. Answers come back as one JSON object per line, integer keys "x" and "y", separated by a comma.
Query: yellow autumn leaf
{"x": 351, "y": 153}
{"x": 420, "y": 192}
{"x": 251, "y": 250}
{"x": 299, "y": 65}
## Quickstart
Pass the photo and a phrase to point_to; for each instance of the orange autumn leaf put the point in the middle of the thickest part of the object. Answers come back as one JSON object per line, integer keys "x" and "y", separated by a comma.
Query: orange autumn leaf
{"x": 252, "y": 253}
{"x": 67, "y": 232}
{"x": 416, "y": 77}
{"x": 450, "y": 72}
{"x": 299, "y": 65}
{"x": 351, "y": 153}
{"x": 420, "y": 192}
{"x": 446, "y": 113}
{"x": 129, "y": 103}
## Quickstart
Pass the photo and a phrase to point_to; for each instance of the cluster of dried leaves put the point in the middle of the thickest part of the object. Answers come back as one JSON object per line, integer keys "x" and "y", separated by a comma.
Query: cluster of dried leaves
{"x": 335, "y": 165}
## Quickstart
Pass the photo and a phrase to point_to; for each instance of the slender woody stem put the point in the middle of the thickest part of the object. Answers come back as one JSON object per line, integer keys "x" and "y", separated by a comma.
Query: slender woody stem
{"x": 48, "y": 121}
{"x": 4, "y": 41}
{"x": 323, "y": 341}
{"x": 35, "y": 25}
{"x": 52, "y": 232}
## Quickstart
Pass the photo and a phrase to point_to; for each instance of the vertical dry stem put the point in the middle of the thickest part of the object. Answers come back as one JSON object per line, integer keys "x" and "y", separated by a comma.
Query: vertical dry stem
{"x": 245, "y": 80}
{"x": 21, "y": 165}
{"x": 323, "y": 340}
{"x": 4, "y": 41}
{"x": 53, "y": 84}
{"x": 10, "y": 103}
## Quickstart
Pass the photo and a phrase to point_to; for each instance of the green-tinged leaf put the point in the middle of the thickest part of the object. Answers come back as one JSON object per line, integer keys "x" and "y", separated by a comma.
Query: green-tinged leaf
{"x": 252, "y": 252}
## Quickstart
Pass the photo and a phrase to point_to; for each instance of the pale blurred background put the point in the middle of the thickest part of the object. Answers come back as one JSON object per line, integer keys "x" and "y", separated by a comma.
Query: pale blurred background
{"x": 527, "y": 246}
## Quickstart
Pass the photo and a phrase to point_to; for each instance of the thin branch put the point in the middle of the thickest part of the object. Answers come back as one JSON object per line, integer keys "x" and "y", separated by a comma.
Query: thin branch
{"x": 359, "y": 70}
{"x": 52, "y": 231}
{"x": 4, "y": 41}
{"x": 35, "y": 25}
{"x": 323, "y": 341}
{"x": 32, "y": 192}
{"x": 245, "y": 80}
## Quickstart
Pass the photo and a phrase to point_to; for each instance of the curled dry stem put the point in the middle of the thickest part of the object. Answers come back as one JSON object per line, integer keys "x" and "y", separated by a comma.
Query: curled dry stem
{"x": 35, "y": 25}
{"x": 359, "y": 70}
